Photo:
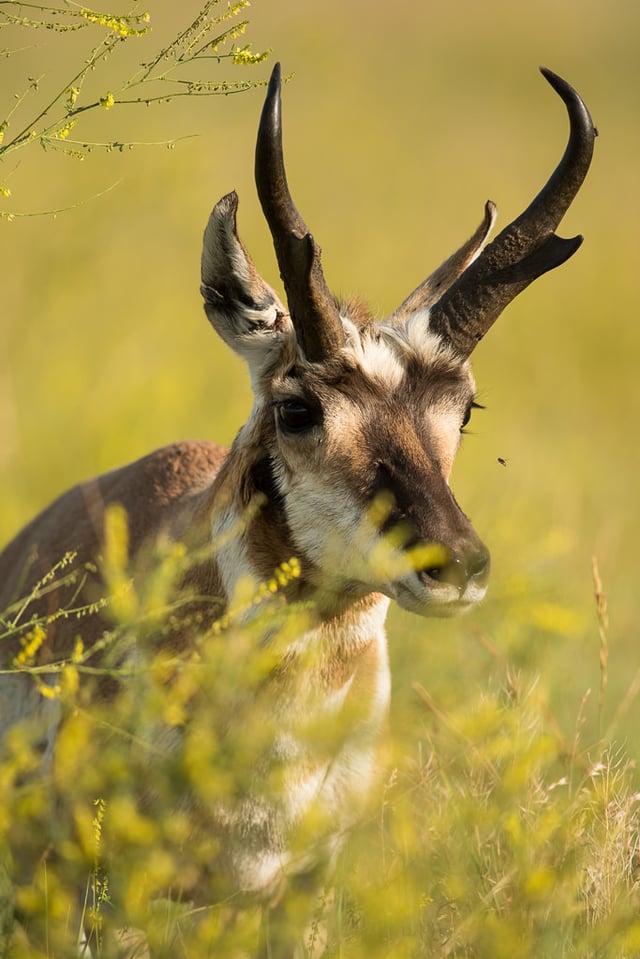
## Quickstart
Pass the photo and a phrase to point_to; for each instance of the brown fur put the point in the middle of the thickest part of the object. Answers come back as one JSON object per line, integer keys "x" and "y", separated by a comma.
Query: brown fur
{"x": 164, "y": 495}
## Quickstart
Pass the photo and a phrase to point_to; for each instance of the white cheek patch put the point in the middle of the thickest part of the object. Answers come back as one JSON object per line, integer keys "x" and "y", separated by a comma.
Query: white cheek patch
{"x": 323, "y": 519}
{"x": 333, "y": 528}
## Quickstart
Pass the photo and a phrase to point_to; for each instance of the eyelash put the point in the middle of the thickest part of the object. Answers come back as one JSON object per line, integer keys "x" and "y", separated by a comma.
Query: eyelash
{"x": 472, "y": 406}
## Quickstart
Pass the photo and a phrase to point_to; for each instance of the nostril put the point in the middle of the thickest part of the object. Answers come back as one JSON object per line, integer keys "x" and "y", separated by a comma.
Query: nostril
{"x": 453, "y": 572}
{"x": 459, "y": 569}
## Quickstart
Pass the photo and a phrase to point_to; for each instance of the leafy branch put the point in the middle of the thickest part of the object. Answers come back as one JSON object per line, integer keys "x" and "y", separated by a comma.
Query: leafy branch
{"x": 169, "y": 73}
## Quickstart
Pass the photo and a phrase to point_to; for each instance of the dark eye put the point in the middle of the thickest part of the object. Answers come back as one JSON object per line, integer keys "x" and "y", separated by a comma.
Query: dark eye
{"x": 294, "y": 416}
{"x": 467, "y": 415}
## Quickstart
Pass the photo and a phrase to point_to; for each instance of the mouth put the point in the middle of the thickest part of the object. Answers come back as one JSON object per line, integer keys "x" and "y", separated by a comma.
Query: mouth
{"x": 437, "y": 599}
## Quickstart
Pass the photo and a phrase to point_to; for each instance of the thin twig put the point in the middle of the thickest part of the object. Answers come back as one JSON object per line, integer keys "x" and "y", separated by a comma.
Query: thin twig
{"x": 603, "y": 633}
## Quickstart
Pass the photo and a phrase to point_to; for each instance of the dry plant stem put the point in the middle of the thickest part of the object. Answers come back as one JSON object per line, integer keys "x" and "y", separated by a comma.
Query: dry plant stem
{"x": 103, "y": 49}
{"x": 429, "y": 701}
{"x": 603, "y": 633}
{"x": 575, "y": 748}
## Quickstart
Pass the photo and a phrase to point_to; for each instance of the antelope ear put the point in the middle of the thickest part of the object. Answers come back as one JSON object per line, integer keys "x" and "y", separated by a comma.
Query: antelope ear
{"x": 240, "y": 305}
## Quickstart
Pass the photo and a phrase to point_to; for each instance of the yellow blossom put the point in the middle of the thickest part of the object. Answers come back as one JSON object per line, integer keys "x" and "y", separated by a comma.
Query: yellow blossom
{"x": 70, "y": 681}
{"x": 73, "y": 94}
{"x": 30, "y": 643}
{"x": 243, "y": 56}
{"x": 49, "y": 692}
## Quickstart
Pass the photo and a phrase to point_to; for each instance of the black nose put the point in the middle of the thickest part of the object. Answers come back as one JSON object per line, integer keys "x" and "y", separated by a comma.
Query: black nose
{"x": 459, "y": 568}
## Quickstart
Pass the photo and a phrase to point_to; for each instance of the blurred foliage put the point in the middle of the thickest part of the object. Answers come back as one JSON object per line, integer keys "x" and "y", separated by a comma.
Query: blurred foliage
{"x": 495, "y": 833}
{"x": 399, "y": 123}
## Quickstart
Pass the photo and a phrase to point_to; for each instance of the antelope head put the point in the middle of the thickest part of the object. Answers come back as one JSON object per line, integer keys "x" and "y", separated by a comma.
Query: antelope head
{"x": 356, "y": 423}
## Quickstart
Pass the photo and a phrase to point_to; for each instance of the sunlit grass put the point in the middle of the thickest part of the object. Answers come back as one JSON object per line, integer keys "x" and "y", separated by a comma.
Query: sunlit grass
{"x": 495, "y": 830}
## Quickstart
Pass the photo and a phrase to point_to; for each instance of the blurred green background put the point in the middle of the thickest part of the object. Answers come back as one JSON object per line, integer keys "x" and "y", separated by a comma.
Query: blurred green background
{"x": 400, "y": 121}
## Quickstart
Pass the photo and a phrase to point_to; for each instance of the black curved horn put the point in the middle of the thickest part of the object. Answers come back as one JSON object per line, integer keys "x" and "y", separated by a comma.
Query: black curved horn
{"x": 313, "y": 309}
{"x": 526, "y": 248}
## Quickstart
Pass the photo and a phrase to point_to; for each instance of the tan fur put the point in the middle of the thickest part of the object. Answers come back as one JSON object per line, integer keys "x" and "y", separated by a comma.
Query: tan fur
{"x": 163, "y": 495}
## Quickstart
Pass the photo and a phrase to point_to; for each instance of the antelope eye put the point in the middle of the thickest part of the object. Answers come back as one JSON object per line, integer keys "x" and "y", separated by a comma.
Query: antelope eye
{"x": 295, "y": 416}
{"x": 467, "y": 416}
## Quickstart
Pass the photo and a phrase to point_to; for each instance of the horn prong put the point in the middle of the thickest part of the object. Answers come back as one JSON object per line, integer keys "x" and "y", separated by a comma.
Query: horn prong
{"x": 527, "y": 247}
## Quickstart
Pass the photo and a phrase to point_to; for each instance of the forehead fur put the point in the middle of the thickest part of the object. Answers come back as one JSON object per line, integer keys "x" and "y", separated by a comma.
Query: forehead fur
{"x": 389, "y": 353}
{"x": 380, "y": 355}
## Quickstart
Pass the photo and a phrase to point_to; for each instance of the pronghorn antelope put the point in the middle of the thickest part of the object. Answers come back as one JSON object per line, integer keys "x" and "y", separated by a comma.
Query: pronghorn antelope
{"x": 343, "y": 464}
